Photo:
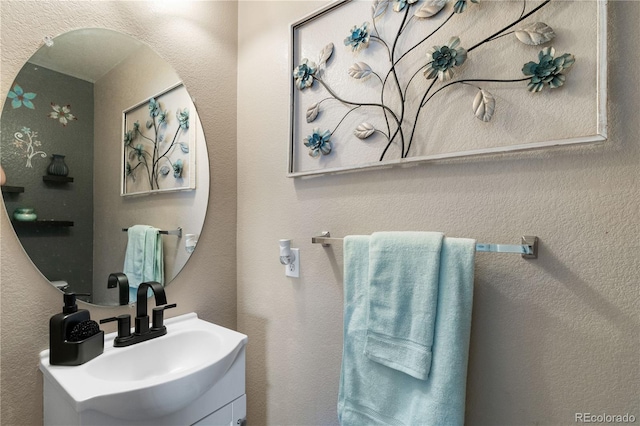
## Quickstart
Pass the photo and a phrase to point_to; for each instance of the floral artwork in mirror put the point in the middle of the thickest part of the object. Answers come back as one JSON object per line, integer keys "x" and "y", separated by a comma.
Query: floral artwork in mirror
{"x": 159, "y": 143}
{"x": 385, "y": 82}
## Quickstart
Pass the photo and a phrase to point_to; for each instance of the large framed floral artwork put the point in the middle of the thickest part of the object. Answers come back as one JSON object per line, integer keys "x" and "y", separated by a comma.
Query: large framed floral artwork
{"x": 158, "y": 145}
{"x": 389, "y": 82}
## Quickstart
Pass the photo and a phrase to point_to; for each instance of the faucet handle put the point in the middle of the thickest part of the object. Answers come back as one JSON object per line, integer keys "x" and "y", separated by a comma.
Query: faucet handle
{"x": 124, "y": 325}
{"x": 158, "y": 315}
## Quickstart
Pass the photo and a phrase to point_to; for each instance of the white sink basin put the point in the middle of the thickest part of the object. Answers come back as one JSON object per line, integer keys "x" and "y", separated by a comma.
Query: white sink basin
{"x": 153, "y": 378}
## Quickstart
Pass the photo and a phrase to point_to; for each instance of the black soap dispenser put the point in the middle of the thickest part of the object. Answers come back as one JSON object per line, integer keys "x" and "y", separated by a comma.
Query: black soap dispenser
{"x": 73, "y": 339}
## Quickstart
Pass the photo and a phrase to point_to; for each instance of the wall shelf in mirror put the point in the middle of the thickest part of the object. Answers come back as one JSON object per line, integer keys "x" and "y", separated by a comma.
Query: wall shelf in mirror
{"x": 12, "y": 189}
{"x": 43, "y": 223}
{"x": 57, "y": 179}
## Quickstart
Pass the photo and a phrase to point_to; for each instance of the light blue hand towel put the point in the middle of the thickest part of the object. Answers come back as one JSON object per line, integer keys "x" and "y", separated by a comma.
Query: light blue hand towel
{"x": 144, "y": 259}
{"x": 373, "y": 394}
{"x": 403, "y": 291}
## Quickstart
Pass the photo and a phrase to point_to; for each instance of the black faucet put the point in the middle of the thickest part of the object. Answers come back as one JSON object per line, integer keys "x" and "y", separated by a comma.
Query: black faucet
{"x": 120, "y": 280}
{"x": 142, "y": 319}
{"x": 142, "y": 332}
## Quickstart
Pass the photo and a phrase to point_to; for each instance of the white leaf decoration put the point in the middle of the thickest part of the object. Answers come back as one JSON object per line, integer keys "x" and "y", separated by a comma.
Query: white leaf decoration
{"x": 430, "y": 8}
{"x": 359, "y": 70}
{"x": 535, "y": 33}
{"x": 364, "y": 130}
{"x": 379, "y": 8}
{"x": 325, "y": 54}
{"x": 164, "y": 170}
{"x": 184, "y": 147}
{"x": 483, "y": 105}
{"x": 312, "y": 112}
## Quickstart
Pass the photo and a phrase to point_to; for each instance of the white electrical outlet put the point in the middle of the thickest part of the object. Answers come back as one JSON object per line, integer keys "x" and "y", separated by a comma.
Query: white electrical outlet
{"x": 293, "y": 269}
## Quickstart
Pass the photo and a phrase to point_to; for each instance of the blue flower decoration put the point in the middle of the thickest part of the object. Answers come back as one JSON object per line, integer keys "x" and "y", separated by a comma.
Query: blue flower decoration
{"x": 359, "y": 37}
{"x": 318, "y": 142}
{"x": 177, "y": 169}
{"x": 548, "y": 70}
{"x": 139, "y": 151}
{"x": 304, "y": 74}
{"x": 461, "y": 5}
{"x": 19, "y": 97}
{"x": 128, "y": 137}
{"x": 399, "y": 5}
{"x": 162, "y": 117}
{"x": 443, "y": 59}
{"x": 154, "y": 108}
{"x": 183, "y": 118}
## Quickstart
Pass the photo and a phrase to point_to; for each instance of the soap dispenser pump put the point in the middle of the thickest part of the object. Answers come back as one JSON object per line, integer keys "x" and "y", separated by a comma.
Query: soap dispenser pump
{"x": 73, "y": 338}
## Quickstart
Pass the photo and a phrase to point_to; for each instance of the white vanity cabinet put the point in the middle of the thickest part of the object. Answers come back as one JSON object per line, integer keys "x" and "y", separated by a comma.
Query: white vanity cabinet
{"x": 193, "y": 375}
{"x": 225, "y": 404}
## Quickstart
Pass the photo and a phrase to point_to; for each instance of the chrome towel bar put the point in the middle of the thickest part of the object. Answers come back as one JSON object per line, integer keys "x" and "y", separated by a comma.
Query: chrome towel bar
{"x": 528, "y": 247}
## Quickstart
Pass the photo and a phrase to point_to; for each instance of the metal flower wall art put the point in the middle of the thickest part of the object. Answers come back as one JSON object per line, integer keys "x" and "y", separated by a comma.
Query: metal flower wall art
{"x": 159, "y": 143}
{"x": 152, "y": 160}
{"x": 409, "y": 61}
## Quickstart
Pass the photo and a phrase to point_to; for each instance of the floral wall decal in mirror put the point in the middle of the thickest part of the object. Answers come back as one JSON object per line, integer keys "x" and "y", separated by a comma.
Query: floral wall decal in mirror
{"x": 62, "y": 114}
{"x": 28, "y": 142}
{"x": 158, "y": 154}
{"x": 19, "y": 97}
{"x": 424, "y": 80}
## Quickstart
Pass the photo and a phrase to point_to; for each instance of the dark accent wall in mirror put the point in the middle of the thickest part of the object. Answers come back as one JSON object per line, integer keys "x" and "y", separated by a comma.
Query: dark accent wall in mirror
{"x": 69, "y": 100}
{"x": 29, "y": 138}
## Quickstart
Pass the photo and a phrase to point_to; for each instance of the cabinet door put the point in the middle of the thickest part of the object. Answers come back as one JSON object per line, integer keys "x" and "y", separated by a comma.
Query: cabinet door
{"x": 232, "y": 414}
{"x": 240, "y": 411}
{"x": 222, "y": 417}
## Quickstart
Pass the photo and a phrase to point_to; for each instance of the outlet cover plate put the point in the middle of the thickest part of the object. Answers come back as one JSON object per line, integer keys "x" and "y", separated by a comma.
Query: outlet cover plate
{"x": 293, "y": 270}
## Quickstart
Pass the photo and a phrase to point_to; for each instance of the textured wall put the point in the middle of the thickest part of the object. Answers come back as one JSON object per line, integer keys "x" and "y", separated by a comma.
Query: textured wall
{"x": 60, "y": 201}
{"x": 550, "y": 337}
{"x": 175, "y": 30}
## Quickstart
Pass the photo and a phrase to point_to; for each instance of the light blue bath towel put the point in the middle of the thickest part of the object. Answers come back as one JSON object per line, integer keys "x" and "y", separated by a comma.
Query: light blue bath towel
{"x": 144, "y": 259}
{"x": 403, "y": 294}
{"x": 373, "y": 394}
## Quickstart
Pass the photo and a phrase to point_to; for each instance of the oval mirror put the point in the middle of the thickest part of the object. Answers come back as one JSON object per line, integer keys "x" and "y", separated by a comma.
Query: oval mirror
{"x": 106, "y": 164}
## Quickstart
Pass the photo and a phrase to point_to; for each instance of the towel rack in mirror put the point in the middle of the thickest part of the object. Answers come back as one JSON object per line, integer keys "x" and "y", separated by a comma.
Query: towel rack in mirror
{"x": 528, "y": 247}
{"x": 177, "y": 232}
